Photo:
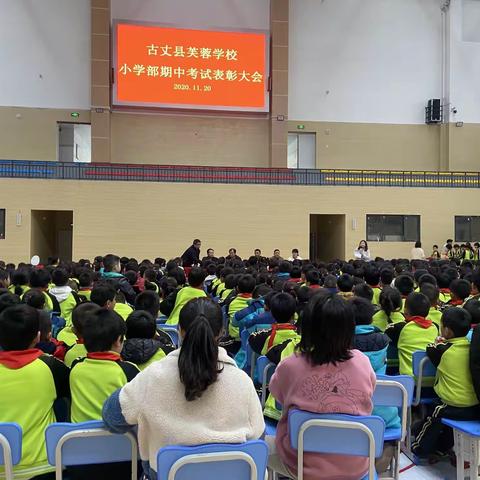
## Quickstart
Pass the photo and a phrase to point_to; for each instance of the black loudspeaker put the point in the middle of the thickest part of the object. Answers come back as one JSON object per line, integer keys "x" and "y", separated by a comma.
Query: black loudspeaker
{"x": 433, "y": 112}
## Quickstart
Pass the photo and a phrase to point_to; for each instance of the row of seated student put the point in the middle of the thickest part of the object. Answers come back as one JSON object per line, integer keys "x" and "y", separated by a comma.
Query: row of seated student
{"x": 329, "y": 330}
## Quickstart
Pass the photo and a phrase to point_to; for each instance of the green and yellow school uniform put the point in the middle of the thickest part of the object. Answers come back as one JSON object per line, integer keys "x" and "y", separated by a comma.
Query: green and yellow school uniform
{"x": 76, "y": 351}
{"x": 453, "y": 381}
{"x": 123, "y": 310}
{"x": 29, "y": 390}
{"x": 67, "y": 336}
{"x": 93, "y": 379}
{"x": 444, "y": 296}
{"x": 225, "y": 293}
{"x": 184, "y": 296}
{"x": 86, "y": 292}
{"x": 25, "y": 289}
{"x": 155, "y": 358}
{"x": 238, "y": 303}
{"x": 381, "y": 320}
{"x": 376, "y": 294}
{"x": 435, "y": 316}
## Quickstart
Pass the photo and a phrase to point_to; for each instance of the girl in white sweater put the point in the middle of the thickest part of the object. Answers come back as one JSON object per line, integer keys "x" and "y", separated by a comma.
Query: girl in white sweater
{"x": 187, "y": 398}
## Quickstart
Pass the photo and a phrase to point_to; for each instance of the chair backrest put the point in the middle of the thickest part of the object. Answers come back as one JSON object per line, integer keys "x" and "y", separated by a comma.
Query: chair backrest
{"x": 10, "y": 447}
{"x": 88, "y": 443}
{"x": 338, "y": 434}
{"x": 262, "y": 374}
{"x": 422, "y": 365}
{"x": 245, "y": 461}
{"x": 395, "y": 391}
{"x": 171, "y": 331}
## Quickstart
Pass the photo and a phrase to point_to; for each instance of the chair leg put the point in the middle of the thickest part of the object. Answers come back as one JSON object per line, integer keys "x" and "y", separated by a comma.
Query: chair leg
{"x": 474, "y": 458}
{"x": 459, "y": 452}
{"x": 396, "y": 472}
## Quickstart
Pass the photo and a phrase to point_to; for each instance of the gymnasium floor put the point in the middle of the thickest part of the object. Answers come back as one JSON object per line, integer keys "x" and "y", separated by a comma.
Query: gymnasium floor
{"x": 439, "y": 471}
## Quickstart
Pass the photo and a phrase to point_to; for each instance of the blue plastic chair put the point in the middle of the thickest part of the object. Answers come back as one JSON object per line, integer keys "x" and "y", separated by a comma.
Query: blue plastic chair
{"x": 265, "y": 369}
{"x": 171, "y": 331}
{"x": 338, "y": 434}
{"x": 244, "y": 461}
{"x": 467, "y": 439}
{"x": 395, "y": 391}
{"x": 10, "y": 447}
{"x": 88, "y": 443}
{"x": 422, "y": 368}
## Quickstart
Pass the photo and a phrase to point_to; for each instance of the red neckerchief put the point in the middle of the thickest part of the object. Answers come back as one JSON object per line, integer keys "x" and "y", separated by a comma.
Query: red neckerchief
{"x": 245, "y": 295}
{"x": 455, "y": 302}
{"x": 420, "y": 321}
{"x": 376, "y": 286}
{"x": 80, "y": 341}
{"x": 16, "y": 359}
{"x": 445, "y": 290}
{"x": 275, "y": 328}
{"x": 114, "y": 357}
{"x": 314, "y": 286}
{"x": 295, "y": 280}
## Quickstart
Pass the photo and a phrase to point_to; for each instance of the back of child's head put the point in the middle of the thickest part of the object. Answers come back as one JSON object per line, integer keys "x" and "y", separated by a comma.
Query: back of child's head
{"x": 85, "y": 278}
{"x": 196, "y": 277}
{"x": 18, "y": 278}
{"x": 312, "y": 276}
{"x": 80, "y": 314}
{"x": 167, "y": 285}
{"x": 386, "y": 276}
{"x": 201, "y": 322}
{"x": 362, "y": 290}
{"x": 404, "y": 284}
{"x": 296, "y": 272}
{"x": 458, "y": 320}
{"x": 111, "y": 263}
{"x": 19, "y": 327}
{"x": 211, "y": 269}
{"x": 141, "y": 324}
{"x": 371, "y": 276}
{"x": 303, "y": 294}
{"x": 231, "y": 281}
{"x": 39, "y": 278}
{"x": 102, "y": 293}
{"x": 363, "y": 310}
{"x": 460, "y": 288}
{"x": 330, "y": 282}
{"x": 345, "y": 283}
{"x": 284, "y": 267}
{"x": 417, "y": 305}
{"x": 150, "y": 275}
{"x": 35, "y": 298}
{"x": 283, "y": 307}
{"x": 45, "y": 326}
{"x": 476, "y": 279}
{"x": 261, "y": 290}
{"x": 102, "y": 329}
{"x": 443, "y": 280}
{"x": 390, "y": 300}
{"x": 427, "y": 278}
{"x": 431, "y": 292}
{"x": 246, "y": 284}
{"x": 419, "y": 273}
{"x": 149, "y": 301}
{"x": 179, "y": 275}
{"x": 451, "y": 273}
{"x": 472, "y": 306}
{"x": 60, "y": 277}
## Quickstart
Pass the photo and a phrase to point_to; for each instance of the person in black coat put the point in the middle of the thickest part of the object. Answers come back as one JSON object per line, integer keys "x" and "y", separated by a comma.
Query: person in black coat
{"x": 191, "y": 256}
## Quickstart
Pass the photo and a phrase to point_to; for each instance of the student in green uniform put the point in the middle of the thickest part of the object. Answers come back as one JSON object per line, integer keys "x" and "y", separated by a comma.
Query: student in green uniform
{"x": 229, "y": 291}
{"x": 194, "y": 289}
{"x": 142, "y": 345}
{"x": 372, "y": 278}
{"x": 453, "y": 384}
{"x": 405, "y": 285}
{"x": 103, "y": 294}
{"x": 460, "y": 290}
{"x": 85, "y": 283}
{"x": 413, "y": 334}
{"x": 79, "y": 316}
{"x": 94, "y": 378}
{"x": 40, "y": 279}
{"x": 149, "y": 301}
{"x": 31, "y": 382}
{"x": 432, "y": 293}
{"x": 444, "y": 285}
{"x": 66, "y": 297}
{"x": 20, "y": 282}
{"x": 220, "y": 286}
{"x": 390, "y": 309}
{"x": 245, "y": 287}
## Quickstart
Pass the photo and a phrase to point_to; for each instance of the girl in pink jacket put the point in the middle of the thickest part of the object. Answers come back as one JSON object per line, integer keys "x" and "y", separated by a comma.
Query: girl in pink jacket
{"x": 324, "y": 376}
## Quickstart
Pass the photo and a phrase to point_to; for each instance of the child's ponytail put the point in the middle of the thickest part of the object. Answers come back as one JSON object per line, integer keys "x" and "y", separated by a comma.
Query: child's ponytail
{"x": 201, "y": 320}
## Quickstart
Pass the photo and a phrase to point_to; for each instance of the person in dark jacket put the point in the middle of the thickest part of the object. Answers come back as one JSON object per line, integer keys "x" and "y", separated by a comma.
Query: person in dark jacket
{"x": 111, "y": 272}
{"x": 143, "y": 345}
{"x": 191, "y": 256}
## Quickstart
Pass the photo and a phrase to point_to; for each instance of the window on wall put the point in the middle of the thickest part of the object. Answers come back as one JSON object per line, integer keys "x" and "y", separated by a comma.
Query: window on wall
{"x": 393, "y": 228}
{"x": 467, "y": 229}
{"x": 2, "y": 223}
{"x": 301, "y": 150}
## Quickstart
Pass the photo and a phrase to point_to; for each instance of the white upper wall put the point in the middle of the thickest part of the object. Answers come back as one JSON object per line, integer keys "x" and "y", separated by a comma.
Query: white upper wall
{"x": 45, "y": 53}
{"x": 465, "y": 60}
{"x": 202, "y": 14}
{"x": 373, "y": 61}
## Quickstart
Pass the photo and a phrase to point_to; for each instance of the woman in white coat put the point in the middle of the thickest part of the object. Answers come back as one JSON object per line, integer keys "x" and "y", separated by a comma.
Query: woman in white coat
{"x": 362, "y": 252}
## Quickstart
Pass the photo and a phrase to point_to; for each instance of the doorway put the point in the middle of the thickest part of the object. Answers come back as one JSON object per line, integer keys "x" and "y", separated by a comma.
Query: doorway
{"x": 74, "y": 142}
{"x": 327, "y": 237}
{"x": 52, "y": 234}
